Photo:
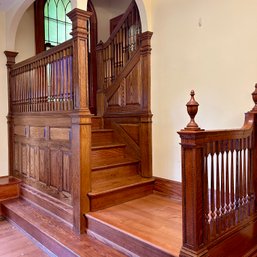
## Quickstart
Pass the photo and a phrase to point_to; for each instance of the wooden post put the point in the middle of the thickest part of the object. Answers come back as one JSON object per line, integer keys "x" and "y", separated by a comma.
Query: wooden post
{"x": 100, "y": 80}
{"x": 193, "y": 215}
{"x": 10, "y": 62}
{"x": 253, "y": 113}
{"x": 81, "y": 121}
{"x": 146, "y": 118}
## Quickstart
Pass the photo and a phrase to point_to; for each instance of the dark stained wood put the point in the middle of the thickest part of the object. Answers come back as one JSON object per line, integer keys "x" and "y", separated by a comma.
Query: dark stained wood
{"x": 149, "y": 226}
{"x": 39, "y": 25}
{"x": 168, "y": 187}
{"x": 217, "y": 202}
{"x": 15, "y": 243}
{"x": 53, "y": 233}
{"x": 114, "y": 22}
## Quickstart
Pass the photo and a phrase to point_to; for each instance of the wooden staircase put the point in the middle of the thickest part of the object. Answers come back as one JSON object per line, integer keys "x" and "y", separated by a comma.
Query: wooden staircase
{"x": 115, "y": 173}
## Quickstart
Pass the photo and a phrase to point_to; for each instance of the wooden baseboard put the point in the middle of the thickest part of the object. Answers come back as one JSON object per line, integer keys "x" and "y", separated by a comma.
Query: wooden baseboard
{"x": 168, "y": 187}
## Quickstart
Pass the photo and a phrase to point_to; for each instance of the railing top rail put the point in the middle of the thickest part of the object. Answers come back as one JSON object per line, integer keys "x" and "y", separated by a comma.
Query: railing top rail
{"x": 119, "y": 25}
{"x": 43, "y": 55}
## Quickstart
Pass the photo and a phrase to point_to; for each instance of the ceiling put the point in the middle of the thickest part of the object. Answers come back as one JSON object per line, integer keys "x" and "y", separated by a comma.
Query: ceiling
{"x": 7, "y": 4}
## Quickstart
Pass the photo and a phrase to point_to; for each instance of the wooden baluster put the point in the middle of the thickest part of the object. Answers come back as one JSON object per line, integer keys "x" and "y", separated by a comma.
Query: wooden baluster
{"x": 227, "y": 187}
{"x": 207, "y": 209}
{"x": 213, "y": 213}
{"x": 232, "y": 181}
{"x": 244, "y": 198}
{"x": 218, "y": 207}
{"x": 223, "y": 207}
{"x": 237, "y": 187}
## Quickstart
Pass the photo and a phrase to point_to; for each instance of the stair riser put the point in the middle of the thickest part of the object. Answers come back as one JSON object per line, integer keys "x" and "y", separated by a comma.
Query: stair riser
{"x": 97, "y": 123}
{"x": 119, "y": 196}
{"x": 114, "y": 172}
{"x": 39, "y": 235}
{"x": 42, "y": 201}
{"x": 131, "y": 246}
{"x": 117, "y": 152}
{"x": 101, "y": 138}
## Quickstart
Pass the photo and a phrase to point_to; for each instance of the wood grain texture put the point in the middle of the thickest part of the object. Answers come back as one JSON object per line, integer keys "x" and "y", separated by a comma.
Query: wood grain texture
{"x": 9, "y": 188}
{"x": 53, "y": 233}
{"x": 16, "y": 243}
{"x": 168, "y": 187}
{"x": 149, "y": 226}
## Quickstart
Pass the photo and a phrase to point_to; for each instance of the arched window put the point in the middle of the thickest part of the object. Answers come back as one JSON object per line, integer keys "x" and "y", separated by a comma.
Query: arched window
{"x": 57, "y": 25}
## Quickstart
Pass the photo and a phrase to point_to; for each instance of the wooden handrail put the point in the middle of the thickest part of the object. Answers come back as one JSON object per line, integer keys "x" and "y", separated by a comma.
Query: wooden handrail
{"x": 218, "y": 174}
{"x": 120, "y": 23}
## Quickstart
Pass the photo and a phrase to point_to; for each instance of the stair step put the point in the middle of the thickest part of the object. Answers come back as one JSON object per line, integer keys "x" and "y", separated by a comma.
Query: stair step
{"x": 54, "y": 234}
{"x": 119, "y": 190}
{"x": 102, "y": 136}
{"x": 97, "y": 122}
{"x": 53, "y": 205}
{"x": 104, "y": 152}
{"x": 149, "y": 226}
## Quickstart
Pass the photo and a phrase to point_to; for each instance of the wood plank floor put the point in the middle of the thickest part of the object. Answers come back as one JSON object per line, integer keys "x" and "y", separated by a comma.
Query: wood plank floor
{"x": 154, "y": 218}
{"x": 14, "y": 243}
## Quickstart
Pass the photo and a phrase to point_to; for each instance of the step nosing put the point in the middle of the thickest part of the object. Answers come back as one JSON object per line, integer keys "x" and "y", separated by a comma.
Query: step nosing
{"x": 113, "y": 165}
{"x": 115, "y": 189}
{"x": 107, "y": 146}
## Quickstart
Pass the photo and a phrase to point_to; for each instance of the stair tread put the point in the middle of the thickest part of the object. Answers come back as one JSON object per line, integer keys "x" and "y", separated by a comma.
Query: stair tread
{"x": 112, "y": 162}
{"x": 81, "y": 245}
{"x": 107, "y": 146}
{"x": 101, "y": 130}
{"x": 117, "y": 183}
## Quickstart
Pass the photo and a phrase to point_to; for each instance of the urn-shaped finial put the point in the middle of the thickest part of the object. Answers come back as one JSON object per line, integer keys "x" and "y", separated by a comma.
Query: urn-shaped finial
{"x": 192, "y": 109}
{"x": 254, "y": 96}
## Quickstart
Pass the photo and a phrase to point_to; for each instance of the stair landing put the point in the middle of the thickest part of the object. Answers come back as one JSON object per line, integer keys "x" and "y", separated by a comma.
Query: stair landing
{"x": 149, "y": 226}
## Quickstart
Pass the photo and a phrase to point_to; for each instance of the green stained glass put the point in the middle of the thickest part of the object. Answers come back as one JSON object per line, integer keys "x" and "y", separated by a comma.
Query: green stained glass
{"x": 57, "y": 24}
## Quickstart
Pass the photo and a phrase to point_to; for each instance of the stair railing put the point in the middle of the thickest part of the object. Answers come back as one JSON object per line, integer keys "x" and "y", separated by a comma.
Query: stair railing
{"x": 121, "y": 45}
{"x": 218, "y": 174}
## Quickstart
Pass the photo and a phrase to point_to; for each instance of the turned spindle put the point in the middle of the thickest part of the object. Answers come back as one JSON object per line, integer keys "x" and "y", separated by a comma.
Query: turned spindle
{"x": 192, "y": 109}
{"x": 254, "y": 96}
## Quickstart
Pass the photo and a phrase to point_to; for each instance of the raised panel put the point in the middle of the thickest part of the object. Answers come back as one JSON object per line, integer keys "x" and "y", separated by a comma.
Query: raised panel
{"x": 133, "y": 87}
{"x": 56, "y": 169}
{"x": 20, "y": 130}
{"x": 37, "y": 132}
{"x": 43, "y": 167}
{"x": 16, "y": 157}
{"x": 24, "y": 159}
{"x": 132, "y": 130}
{"x": 118, "y": 99}
{"x": 59, "y": 134}
{"x": 34, "y": 162}
{"x": 66, "y": 172}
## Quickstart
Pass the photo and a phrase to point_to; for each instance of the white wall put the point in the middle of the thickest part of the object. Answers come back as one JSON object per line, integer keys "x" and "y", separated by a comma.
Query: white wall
{"x": 3, "y": 101}
{"x": 25, "y": 36}
{"x": 209, "y": 46}
{"x": 106, "y": 10}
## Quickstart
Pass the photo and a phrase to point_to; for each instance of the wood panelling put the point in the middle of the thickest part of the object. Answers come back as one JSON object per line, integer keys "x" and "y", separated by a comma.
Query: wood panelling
{"x": 37, "y": 132}
{"x": 20, "y": 130}
{"x": 60, "y": 134}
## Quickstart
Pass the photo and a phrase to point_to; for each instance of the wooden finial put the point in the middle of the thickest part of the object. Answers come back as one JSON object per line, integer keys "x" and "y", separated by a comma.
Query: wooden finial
{"x": 254, "y": 96}
{"x": 192, "y": 109}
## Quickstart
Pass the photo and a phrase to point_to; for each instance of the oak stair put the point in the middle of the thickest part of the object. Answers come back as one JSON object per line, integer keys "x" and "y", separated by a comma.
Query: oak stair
{"x": 54, "y": 234}
{"x": 115, "y": 173}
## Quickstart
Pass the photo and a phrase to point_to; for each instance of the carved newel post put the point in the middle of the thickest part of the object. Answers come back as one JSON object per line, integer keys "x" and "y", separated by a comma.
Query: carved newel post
{"x": 10, "y": 62}
{"x": 193, "y": 216}
{"x": 81, "y": 121}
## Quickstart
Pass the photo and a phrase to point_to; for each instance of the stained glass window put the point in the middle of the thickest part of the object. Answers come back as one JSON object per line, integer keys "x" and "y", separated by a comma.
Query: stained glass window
{"x": 57, "y": 24}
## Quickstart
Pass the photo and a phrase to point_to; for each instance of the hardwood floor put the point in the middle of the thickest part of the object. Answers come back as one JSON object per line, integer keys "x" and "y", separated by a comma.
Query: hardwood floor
{"x": 155, "y": 219}
{"x": 14, "y": 243}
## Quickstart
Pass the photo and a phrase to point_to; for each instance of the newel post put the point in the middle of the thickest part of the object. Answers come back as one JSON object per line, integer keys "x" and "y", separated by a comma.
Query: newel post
{"x": 193, "y": 215}
{"x": 81, "y": 121}
{"x": 253, "y": 112}
{"x": 146, "y": 118}
{"x": 10, "y": 62}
